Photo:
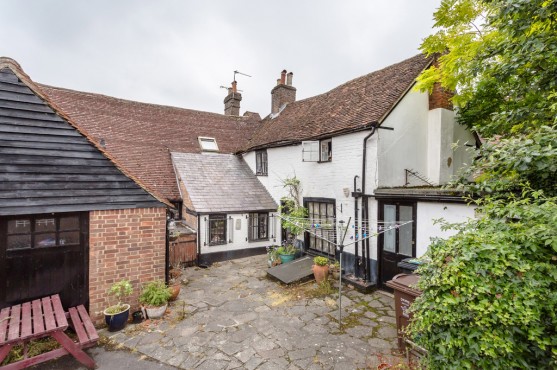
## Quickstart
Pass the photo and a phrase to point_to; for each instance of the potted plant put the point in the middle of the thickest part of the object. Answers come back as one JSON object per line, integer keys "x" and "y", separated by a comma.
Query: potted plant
{"x": 334, "y": 268}
{"x": 174, "y": 283}
{"x": 155, "y": 298}
{"x": 320, "y": 269}
{"x": 272, "y": 255}
{"x": 116, "y": 316}
{"x": 286, "y": 253}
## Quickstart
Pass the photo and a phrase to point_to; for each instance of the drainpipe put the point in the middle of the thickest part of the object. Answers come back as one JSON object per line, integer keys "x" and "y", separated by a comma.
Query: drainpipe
{"x": 167, "y": 248}
{"x": 356, "y": 235}
{"x": 198, "y": 237}
{"x": 365, "y": 207}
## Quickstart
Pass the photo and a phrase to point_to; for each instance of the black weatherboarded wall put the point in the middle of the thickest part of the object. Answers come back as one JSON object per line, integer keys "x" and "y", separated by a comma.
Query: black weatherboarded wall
{"x": 47, "y": 166}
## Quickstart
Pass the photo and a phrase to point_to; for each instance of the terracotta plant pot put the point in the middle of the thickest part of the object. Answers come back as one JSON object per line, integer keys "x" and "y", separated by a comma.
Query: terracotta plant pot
{"x": 175, "y": 290}
{"x": 321, "y": 273}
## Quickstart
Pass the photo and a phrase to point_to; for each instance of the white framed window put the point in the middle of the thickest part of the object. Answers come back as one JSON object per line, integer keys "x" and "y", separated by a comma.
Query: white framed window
{"x": 310, "y": 151}
{"x": 317, "y": 151}
{"x": 208, "y": 144}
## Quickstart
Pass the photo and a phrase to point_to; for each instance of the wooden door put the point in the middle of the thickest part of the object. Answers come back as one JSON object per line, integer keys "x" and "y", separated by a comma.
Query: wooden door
{"x": 42, "y": 255}
{"x": 397, "y": 243}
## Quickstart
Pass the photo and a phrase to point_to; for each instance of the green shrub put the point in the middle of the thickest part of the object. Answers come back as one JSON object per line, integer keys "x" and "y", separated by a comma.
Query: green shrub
{"x": 119, "y": 290}
{"x": 321, "y": 261}
{"x": 287, "y": 250}
{"x": 490, "y": 292}
{"x": 155, "y": 294}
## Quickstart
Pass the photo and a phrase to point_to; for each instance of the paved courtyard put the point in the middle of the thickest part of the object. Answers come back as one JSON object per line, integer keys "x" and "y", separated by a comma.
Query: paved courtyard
{"x": 231, "y": 316}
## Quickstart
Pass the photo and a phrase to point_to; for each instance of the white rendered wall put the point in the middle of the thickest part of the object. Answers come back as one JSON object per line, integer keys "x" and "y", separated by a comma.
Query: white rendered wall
{"x": 422, "y": 141}
{"x": 332, "y": 179}
{"x": 406, "y": 146}
{"x": 239, "y": 237}
{"x": 427, "y": 212}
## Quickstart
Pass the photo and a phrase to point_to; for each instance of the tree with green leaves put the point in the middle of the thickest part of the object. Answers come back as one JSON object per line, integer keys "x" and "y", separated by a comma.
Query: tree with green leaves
{"x": 490, "y": 292}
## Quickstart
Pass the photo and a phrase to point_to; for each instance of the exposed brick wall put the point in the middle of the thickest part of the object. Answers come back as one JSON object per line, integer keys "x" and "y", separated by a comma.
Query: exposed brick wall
{"x": 280, "y": 95}
{"x": 124, "y": 244}
{"x": 440, "y": 98}
{"x": 190, "y": 219}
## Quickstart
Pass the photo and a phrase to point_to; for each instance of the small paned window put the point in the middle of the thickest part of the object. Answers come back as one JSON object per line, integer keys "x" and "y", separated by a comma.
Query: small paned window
{"x": 258, "y": 226}
{"x": 217, "y": 229}
{"x": 326, "y": 152}
{"x": 208, "y": 144}
{"x": 43, "y": 231}
{"x": 261, "y": 162}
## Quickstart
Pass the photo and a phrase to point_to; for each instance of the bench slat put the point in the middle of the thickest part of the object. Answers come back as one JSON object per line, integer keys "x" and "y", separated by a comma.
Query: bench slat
{"x": 49, "y": 321}
{"x": 78, "y": 326}
{"x": 26, "y": 321}
{"x": 59, "y": 311}
{"x": 86, "y": 319}
{"x": 4, "y": 318}
{"x": 38, "y": 324}
{"x": 14, "y": 322}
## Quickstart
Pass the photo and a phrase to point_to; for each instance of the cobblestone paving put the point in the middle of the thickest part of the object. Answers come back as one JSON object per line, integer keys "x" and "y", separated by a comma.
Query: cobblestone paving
{"x": 231, "y": 316}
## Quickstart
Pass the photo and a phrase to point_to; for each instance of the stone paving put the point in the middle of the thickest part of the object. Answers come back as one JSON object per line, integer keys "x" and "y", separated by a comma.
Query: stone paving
{"x": 232, "y": 316}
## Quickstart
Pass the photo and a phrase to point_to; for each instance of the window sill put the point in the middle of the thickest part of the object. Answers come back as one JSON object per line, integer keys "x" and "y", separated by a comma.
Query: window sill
{"x": 214, "y": 244}
{"x": 258, "y": 240}
{"x": 329, "y": 161}
{"x": 261, "y": 174}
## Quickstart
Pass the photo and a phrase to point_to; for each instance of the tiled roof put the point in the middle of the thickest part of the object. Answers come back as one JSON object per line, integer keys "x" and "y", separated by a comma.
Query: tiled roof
{"x": 141, "y": 136}
{"x": 221, "y": 183}
{"x": 349, "y": 107}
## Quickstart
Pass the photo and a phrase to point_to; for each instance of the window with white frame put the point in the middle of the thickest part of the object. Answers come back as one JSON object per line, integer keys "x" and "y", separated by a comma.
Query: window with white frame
{"x": 261, "y": 162}
{"x": 258, "y": 226}
{"x": 208, "y": 144}
{"x": 317, "y": 151}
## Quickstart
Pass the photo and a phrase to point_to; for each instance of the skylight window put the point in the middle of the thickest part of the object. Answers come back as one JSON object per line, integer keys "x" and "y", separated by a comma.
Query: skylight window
{"x": 208, "y": 144}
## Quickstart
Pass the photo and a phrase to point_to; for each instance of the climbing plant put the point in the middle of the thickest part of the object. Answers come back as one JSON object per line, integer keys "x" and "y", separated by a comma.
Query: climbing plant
{"x": 291, "y": 207}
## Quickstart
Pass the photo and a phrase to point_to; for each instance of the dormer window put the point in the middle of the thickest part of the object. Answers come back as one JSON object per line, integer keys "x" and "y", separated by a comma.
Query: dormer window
{"x": 208, "y": 144}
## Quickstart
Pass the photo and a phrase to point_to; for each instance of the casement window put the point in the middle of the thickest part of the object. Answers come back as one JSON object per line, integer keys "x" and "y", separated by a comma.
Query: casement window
{"x": 317, "y": 151}
{"x": 258, "y": 226}
{"x": 326, "y": 152}
{"x": 321, "y": 213}
{"x": 208, "y": 144}
{"x": 261, "y": 162}
{"x": 217, "y": 229}
{"x": 43, "y": 231}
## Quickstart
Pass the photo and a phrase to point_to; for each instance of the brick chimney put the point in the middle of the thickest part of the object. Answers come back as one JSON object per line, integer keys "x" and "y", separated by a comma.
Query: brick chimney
{"x": 440, "y": 135}
{"x": 283, "y": 93}
{"x": 232, "y": 101}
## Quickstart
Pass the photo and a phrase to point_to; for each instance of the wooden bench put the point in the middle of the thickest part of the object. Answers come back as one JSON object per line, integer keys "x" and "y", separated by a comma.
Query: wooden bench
{"x": 45, "y": 317}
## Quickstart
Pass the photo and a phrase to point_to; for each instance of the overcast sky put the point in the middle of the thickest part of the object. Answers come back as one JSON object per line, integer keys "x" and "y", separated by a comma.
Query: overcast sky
{"x": 179, "y": 52}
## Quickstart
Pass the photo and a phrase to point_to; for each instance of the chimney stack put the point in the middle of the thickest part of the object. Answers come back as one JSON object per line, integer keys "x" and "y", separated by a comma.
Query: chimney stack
{"x": 232, "y": 101}
{"x": 284, "y": 93}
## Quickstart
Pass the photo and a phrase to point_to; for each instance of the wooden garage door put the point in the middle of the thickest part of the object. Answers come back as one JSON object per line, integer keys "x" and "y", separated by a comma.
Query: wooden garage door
{"x": 42, "y": 255}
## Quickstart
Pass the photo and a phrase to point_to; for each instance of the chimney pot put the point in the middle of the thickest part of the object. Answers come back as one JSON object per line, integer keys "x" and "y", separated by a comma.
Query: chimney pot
{"x": 283, "y": 77}
{"x": 234, "y": 88}
{"x": 284, "y": 93}
{"x": 289, "y": 78}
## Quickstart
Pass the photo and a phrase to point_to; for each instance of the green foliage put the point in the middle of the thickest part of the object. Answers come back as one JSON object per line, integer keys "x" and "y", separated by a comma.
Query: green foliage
{"x": 490, "y": 298}
{"x": 119, "y": 290}
{"x": 155, "y": 294}
{"x": 501, "y": 58}
{"x": 291, "y": 209}
{"x": 287, "y": 250}
{"x": 490, "y": 292}
{"x": 507, "y": 167}
{"x": 320, "y": 261}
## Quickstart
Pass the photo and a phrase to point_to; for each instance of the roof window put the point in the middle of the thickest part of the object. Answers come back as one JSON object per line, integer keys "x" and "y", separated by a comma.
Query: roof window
{"x": 208, "y": 144}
